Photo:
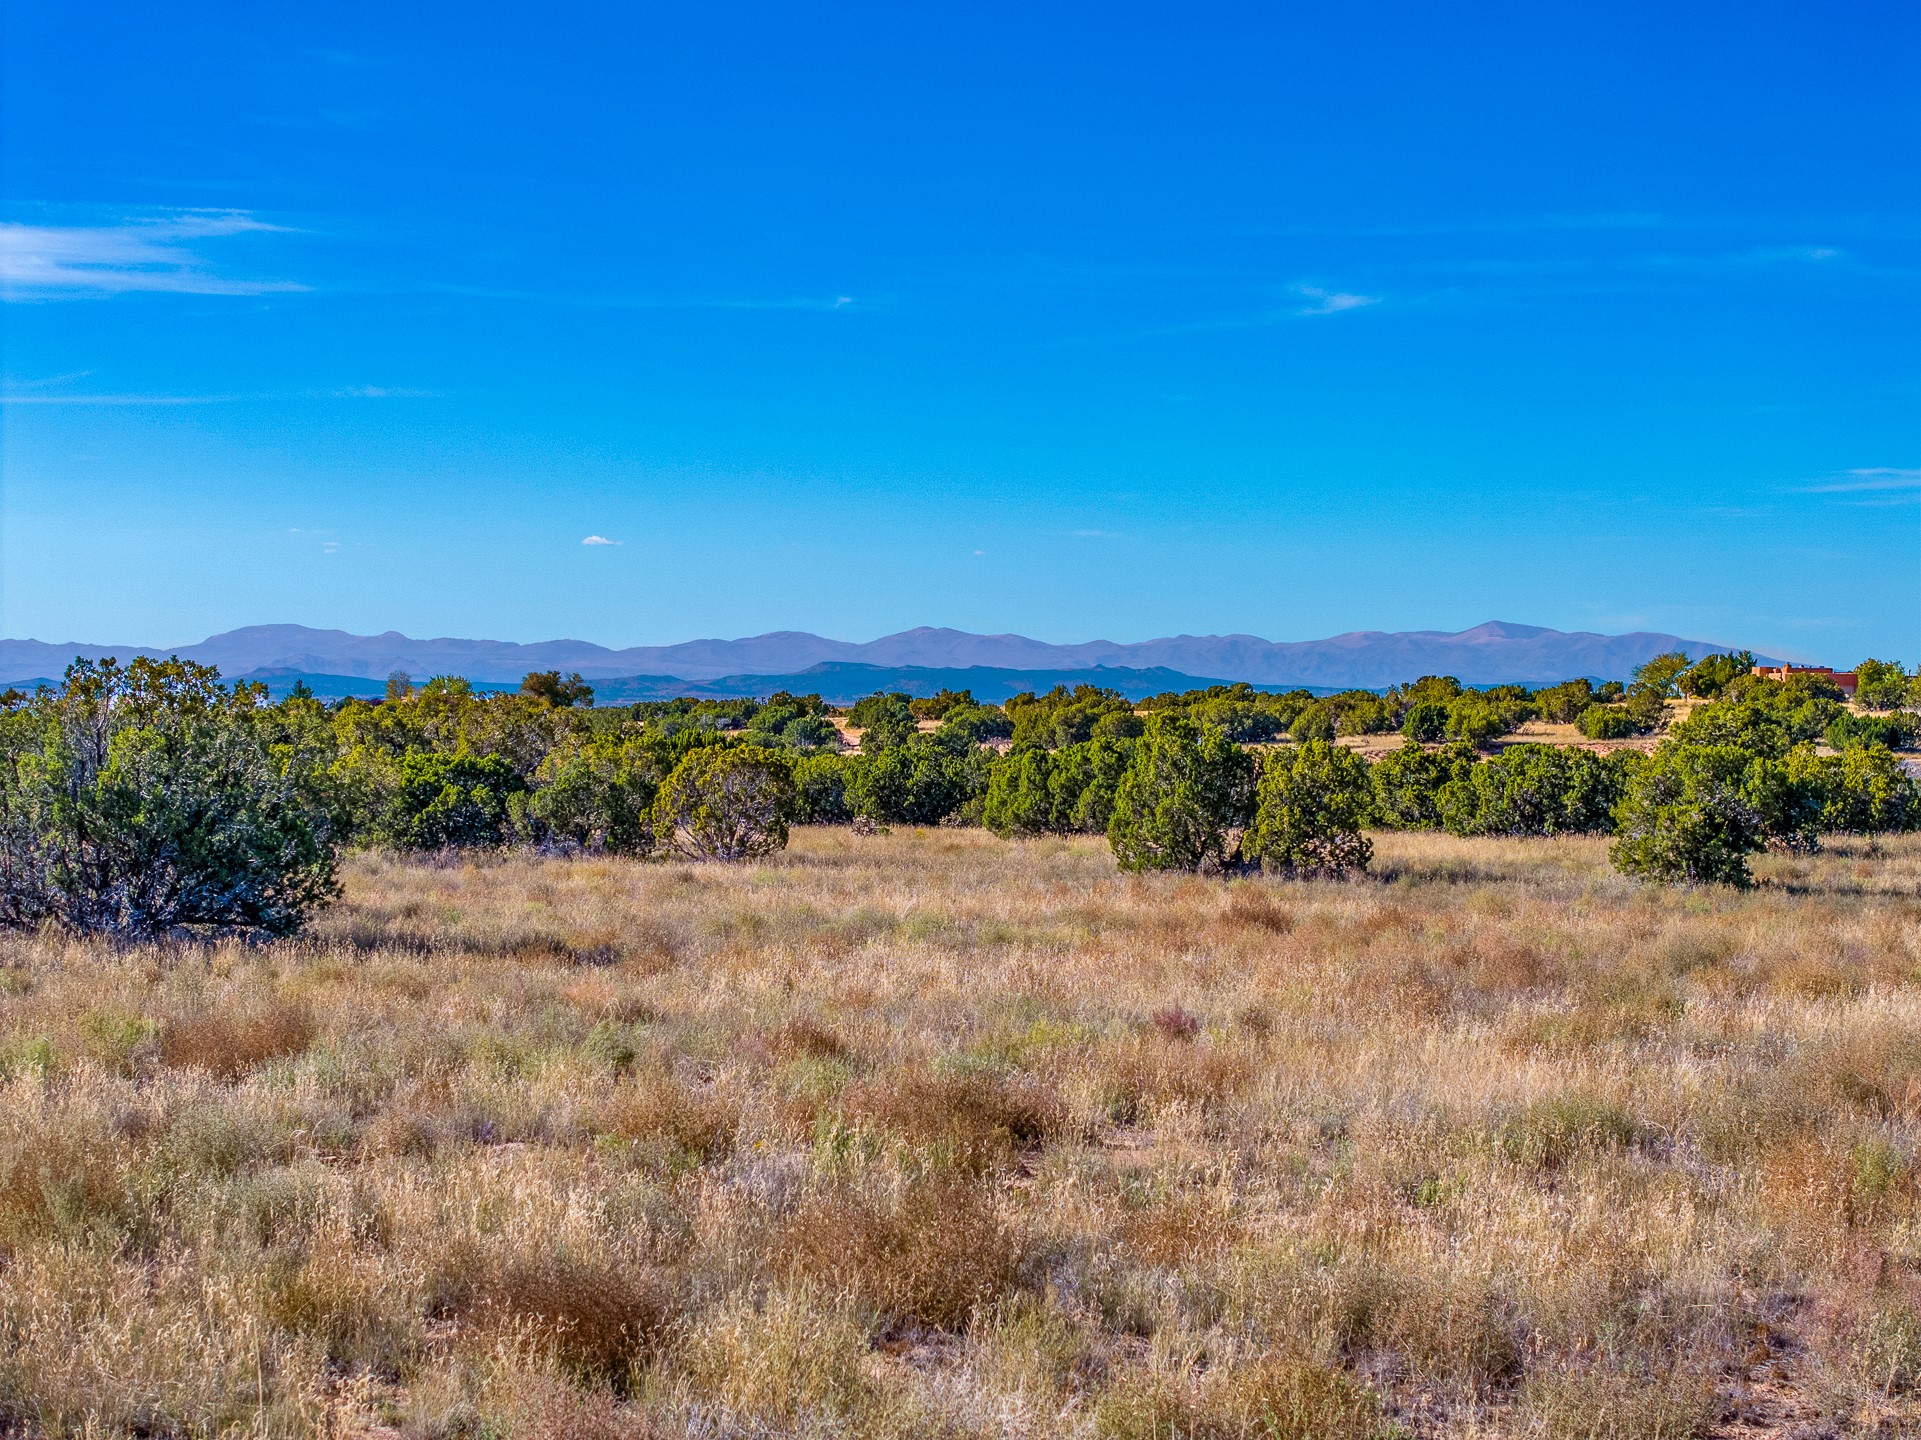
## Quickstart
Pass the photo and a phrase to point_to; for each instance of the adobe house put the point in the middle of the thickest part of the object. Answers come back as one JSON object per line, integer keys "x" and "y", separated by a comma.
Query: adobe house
{"x": 1843, "y": 680}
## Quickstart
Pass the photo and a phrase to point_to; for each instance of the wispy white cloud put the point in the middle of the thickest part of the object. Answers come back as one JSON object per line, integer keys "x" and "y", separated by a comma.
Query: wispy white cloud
{"x": 33, "y": 399}
{"x": 383, "y": 392}
{"x": 1874, "y": 477}
{"x": 1095, "y": 534}
{"x": 1331, "y": 302}
{"x": 599, "y": 540}
{"x": 155, "y": 253}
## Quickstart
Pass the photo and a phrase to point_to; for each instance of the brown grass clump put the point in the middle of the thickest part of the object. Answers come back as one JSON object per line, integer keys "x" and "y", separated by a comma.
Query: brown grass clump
{"x": 674, "y": 1122}
{"x": 929, "y": 1253}
{"x": 62, "y": 1178}
{"x": 925, "y": 1133}
{"x": 1273, "y": 1399}
{"x": 595, "y": 1317}
{"x": 1174, "y": 1023}
{"x": 229, "y": 1044}
{"x": 977, "y": 1119}
{"x": 1577, "y": 1404}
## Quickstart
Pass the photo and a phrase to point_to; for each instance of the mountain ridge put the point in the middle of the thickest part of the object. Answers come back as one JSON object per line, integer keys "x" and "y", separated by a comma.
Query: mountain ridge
{"x": 1495, "y": 652}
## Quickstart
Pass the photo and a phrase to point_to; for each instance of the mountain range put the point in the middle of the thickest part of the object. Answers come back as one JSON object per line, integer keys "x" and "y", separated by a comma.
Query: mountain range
{"x": 1494, "y": 653}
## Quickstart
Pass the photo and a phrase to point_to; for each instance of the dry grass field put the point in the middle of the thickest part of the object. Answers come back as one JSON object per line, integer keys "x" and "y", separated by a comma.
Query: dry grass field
{"x": 933, "y": 1135}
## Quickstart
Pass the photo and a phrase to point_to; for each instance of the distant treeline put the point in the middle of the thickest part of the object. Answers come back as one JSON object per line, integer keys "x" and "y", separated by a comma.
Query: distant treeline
{"x": 148, "y": 797}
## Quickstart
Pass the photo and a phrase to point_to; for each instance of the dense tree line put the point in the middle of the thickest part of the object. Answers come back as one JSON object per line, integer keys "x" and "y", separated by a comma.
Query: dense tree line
{"x": 143, "y": 798}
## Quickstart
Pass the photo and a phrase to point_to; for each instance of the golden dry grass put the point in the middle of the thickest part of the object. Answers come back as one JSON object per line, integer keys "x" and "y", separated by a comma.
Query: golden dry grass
{"x": 929, "y": 1134}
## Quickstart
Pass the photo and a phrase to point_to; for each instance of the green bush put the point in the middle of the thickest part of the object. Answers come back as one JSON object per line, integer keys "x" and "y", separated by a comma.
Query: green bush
{"x": 447, "y": 801}
{"x": 1893, "y": 732}
{"x": 1020, "y": 800}
{"x": 920, "y": 783}
{"x": 1066, "y": 791}
{"x": 1311, "y": 803}
{"x": 1694, "y": 813}
{"x": 941, "y": 704}
{"x": 1537, "y": 790}
{"x": 820, "y": 791}
{"x": 549, "y": 685}
{"x": 1713, "y": 674}
{"x": 1408, "y": 784}
{"x": 1768, "y": 719}
{"x": 1317, "y": 721}
{"x": 141, "y": 799}
{"x": 1475, "y": 721}
{"x": 971, "y": 724}
{"x": 726, "y": 803}
{"x": 883, "y": 721}
{"x": 596, "y": 793}
{"x": 1884, "y": 685}
{"x": 1186, "y": 787}
{"x": 1606, "y": 722}
{"x": 1084, "y": 782}
{"x": 1426, "y": 722}
{"x": 1245, "y": 722}
{"x": 1069, "y": 717}
{"x": 1862, "y": 791}
{"x": 1563, "y": 704}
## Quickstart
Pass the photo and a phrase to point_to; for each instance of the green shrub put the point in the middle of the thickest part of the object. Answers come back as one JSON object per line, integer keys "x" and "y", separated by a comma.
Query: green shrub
{"x": 920, "y": 783}
{"x": 1884, "y": 685}
{"x": 550, "y": 686}
{"x": 820, "y": 791}
{"x": 1084, "y": 781}
{"x": 1069, "y": 717}
{"x": 1019, "y": 799}
{"x": 1563, "y": 704}
{"x": 971, "y": 724}
{"x": 730, "y": 803}
{"x": 1245, "y": 722}
{"x": 597, "y": 794}
{"x": 1694, "y": 813}
{"x": 883, "y": 721}
{"x": 444, "y": 801}
{"x": 1475, "y": 721}
{"x": 1606, "y": 722}
{"x": 1426, "y": 722}
{"x": 1536, "y": 790}
{"x": 1315, "y": 722}
{"x": 135, "y": 800}
{"x": 1893, "y": 732}
{"x": 1311, "y": 803}
{"x": 1408, "y": 784}
{"x": 1862, "y": 791}
{"x": 1712, "y": 674}
{"x": 1186, "y": 787}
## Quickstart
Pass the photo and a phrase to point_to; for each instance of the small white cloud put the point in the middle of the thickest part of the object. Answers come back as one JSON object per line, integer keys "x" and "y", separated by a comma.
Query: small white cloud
{"x": 1331, "y": 302}
{"x": 42, "y": 262}
{"x": 842, "y": 300}
{"x": 1095, "y": 534}
{"x": 980, "y": 552}
{"x": 382, "y": 392}
{"x": 599, "y": 540}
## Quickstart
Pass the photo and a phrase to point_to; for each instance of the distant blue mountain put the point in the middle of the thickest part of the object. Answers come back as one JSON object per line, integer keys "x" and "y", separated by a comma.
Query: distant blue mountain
{"x": 1491, "y": 654}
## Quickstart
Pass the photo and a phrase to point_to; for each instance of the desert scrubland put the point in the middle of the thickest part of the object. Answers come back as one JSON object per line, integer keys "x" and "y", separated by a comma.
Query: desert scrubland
{"x": 928, "y": 1133}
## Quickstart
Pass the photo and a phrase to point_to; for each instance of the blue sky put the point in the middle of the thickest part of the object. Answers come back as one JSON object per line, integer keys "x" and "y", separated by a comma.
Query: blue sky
{"x": 1078, "y": 321}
